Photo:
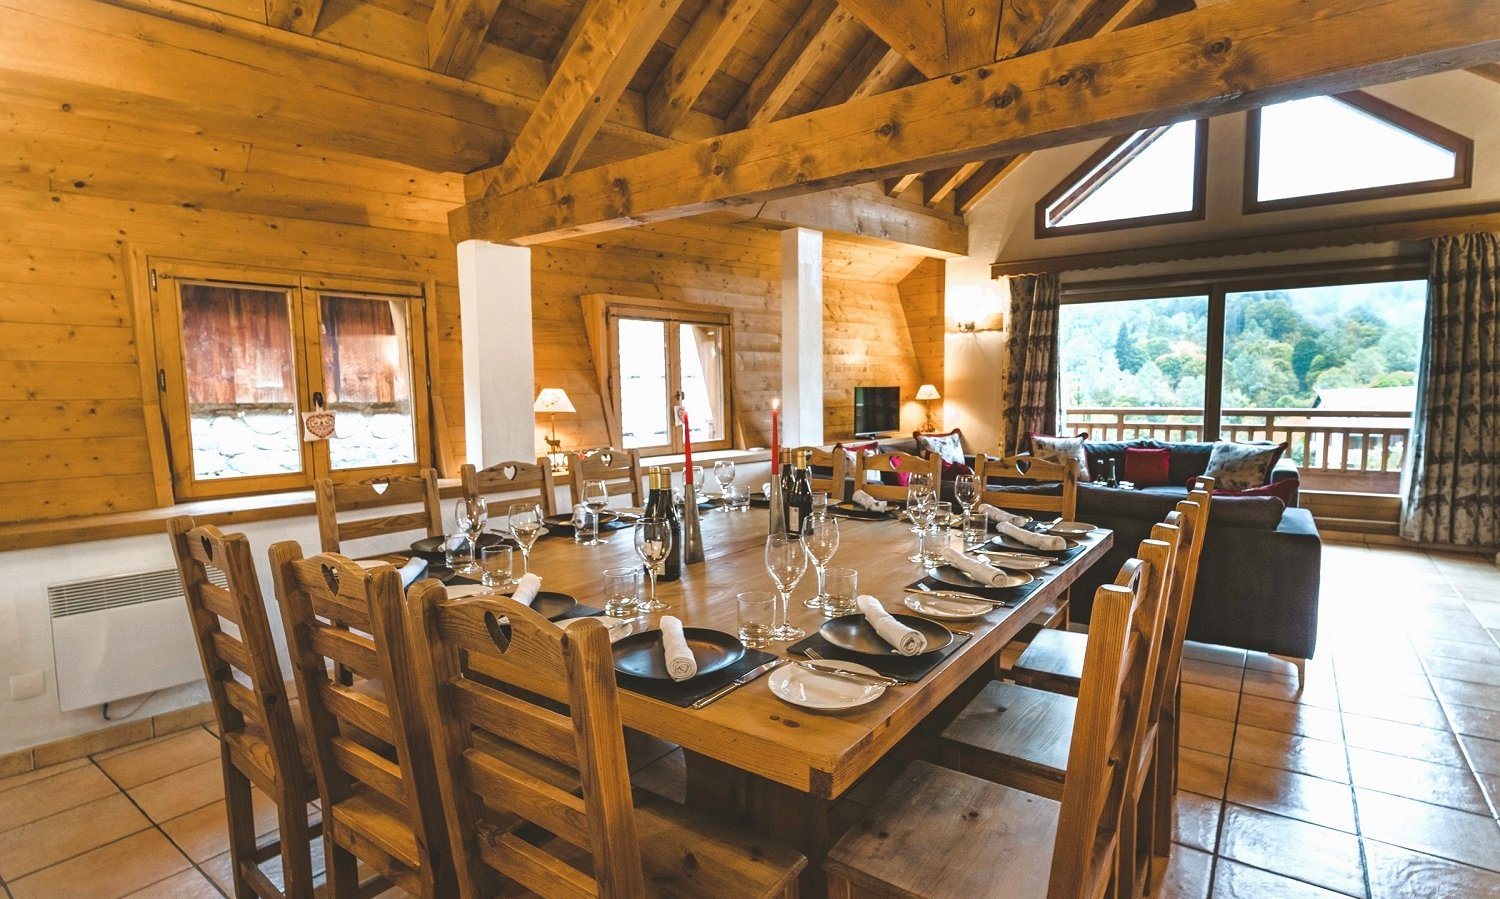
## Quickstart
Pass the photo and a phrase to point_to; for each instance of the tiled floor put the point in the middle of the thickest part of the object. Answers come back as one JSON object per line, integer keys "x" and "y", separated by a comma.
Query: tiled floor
{"x": 1379, "y": 779}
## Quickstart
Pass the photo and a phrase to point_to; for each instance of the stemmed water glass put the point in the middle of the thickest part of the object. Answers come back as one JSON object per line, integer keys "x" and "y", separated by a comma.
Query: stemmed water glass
{"x": 653, "y": 542}
{"x": 786, "y": 562}
{"x": 918, "y": 493}
{"x": 821, "y": 538}
{"x": 724, "y": 474}
{"x": 595, "y": 496}
{"x": 922, "y": 513}
{"x": 471, "y": 515}
{"x": 526, "y": 524}
{"x": 966, "y": 491}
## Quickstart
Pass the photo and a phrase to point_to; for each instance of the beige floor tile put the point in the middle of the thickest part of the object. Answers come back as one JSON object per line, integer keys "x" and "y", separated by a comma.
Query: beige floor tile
{"x": 26, "y": 777}
{"x": 135, "y": 765}
{"x": 1435, "y": 648}
{"x": 177, "y": 794}
{"x": 1475, "y": 722}
{"x": 1210, "y": 674}
{"x": 120, "y": 868}
{"x": 1462, "y": 669}
{"x": 1459, "y": 692}
{"x": 204, "y": 832}
{"x": 1295, "y": 849}
{"x": 1200, "y": 700}
{"x": 1425, "y": 743}
{"x": 1415, "y": 779}
{"x": 1319, "y": 758}
{"x": 1207, "y": 652}
{"x": 1196, "y": 823}
{"x": 48, "y": 796}
{"x": 1491, "y": 786}
{"x": 1291, "y": 718}
{"x": 667, "y": 777}
{"x": 1487, "y": 607}
{"x": 1300, "y": 796}
{"x": 1444, "y": 832}
{"x": 1403, "y": 709}
{"x": 218, "y": 869}
{"x": 1485, "y": 755}
{"x": 1202, "y": 772}
{"x": 1233, "y": 880}
{"x": 1397, "y": 873}
{"x": 39, "y": 844}
{"x": 1318, "y": 691}
{"x": 1207, "y": 734}
{"x": 187, "y": 884}
{"x": 1189, "y": 875}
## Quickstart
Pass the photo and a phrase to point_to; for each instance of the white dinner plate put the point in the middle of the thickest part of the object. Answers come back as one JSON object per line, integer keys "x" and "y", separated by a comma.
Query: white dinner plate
{"x": 948, "y": 608}
{"x": 824, "y": 692}
{"x": 1071, "y": 528}
{"x": 1014, "y": 561}
{"x": 459, "y": 591}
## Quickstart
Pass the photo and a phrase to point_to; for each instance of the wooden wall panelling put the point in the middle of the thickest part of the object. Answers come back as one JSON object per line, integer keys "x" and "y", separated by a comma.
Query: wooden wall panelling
{"x": 922, "y": 298}
{"x": 865, "y": 343}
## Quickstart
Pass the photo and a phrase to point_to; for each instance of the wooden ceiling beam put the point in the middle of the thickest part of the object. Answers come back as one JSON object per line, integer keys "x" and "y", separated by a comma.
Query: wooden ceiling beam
{"x": 973, "y": 28}
{"x": 913, "y": 28}
{"x": 1212, "y": 61}
{"x": 788, "y": 64}
{"x": 612, "y": 42}
{"x": 863, "y": 211}
{"x": 937, "y": 185}
{"x": 300, "y": 16}
{"x": 680, "y": 84}
{"x": 895, "y": 187}
{"x": 1027, "y": 26}
{"x": 889, "y": 72}
{"x": 455, "y": 34}
{"x": 1488, "y": 70}
{"x": 985, "y": 179}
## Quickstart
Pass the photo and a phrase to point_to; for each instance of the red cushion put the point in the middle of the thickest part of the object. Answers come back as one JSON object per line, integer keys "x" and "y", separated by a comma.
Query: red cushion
{"x": 952, "y": 470}
{"x": 1147, "y": 467}
{"x": 1285, "y": 490}
{"x": 901, "y": 477}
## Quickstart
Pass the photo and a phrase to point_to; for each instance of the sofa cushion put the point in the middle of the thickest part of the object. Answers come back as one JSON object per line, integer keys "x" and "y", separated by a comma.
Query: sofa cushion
{"x": 1255, "y": 512}
{"x": 1062, "y": 449}
{"x": 1284, "y": 490}
{"x": 949, "y": 447}
{"x": 1240, "y": 466}
{"x": 1147, "y": 467}
{"x": 1188, "y": 460}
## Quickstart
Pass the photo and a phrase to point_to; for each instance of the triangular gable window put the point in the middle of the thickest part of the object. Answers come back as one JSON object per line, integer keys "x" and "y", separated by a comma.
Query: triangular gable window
{"x": 1322, "y": 150}
{"x": 1150, "y": 177}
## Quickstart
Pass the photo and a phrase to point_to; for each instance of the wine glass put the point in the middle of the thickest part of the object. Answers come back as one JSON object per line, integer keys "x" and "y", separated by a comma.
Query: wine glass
{"x": 653, "y": 542}
{"x": 471, "y": 515}
{"x": 922, "y": 513}
{"x": 821, "y": 538}
{"x": 526, "y": 524}
{"x": 966, "y": 491}
{"x": 918, "y": 492}
{"x": 595, "y": 496}
{"x": 786, "y": 562}
{"x": 724, "y": 473}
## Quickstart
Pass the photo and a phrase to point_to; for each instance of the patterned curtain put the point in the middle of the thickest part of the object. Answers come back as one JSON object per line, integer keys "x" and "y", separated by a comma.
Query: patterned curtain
{"x": 1030, "y": 360}
{"x": 1453, "y": 482}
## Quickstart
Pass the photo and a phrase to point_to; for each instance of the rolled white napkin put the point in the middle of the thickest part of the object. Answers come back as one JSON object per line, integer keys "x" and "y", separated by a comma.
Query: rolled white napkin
{"x": 1031, "y": 538}
{"x": 905, "y": 640}
{"x": 866, "y": 501}
{"x": 455, "y": 541}
{"x": 680, "y": 662}
{"x": 412, "y": 570}
{"x": 978, "y": 569}
{"x": 996, "y": 514}
{"x": 610, "y": 623}
{"x": 527, "y": 589}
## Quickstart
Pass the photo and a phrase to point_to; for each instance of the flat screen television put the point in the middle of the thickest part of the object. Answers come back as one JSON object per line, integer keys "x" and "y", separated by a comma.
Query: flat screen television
{"x": 876, "y": 410}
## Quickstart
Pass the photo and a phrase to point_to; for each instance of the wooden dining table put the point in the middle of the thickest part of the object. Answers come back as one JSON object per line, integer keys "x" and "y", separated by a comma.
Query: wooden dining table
{"x": 754, "y": 759}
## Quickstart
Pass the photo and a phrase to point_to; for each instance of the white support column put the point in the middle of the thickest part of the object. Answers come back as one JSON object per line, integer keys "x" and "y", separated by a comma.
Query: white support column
{"x": 802, "y": 337}
{"x": 494, "y": 289}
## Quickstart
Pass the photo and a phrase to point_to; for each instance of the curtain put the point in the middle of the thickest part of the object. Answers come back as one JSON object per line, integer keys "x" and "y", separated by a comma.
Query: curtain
{"x": 1453, "y": 479}
{"x": 1030, "y": 360}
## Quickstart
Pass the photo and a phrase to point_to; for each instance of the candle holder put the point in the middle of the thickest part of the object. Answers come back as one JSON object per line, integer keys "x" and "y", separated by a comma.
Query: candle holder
{"x": 692, "y": 534}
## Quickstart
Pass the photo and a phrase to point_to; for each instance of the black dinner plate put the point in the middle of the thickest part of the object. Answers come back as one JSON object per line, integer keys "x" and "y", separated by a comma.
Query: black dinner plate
{"x": 1009, "y": 543}
{"x": 431, "y": 548}
{"x": 850, "y": 509}
{"x": 856, "y": 634}
{"x": 641, "y": 655}
{"x": 563, "y": 524}
{"x": 955, "y": 577}
{"x": 552, "y": 606}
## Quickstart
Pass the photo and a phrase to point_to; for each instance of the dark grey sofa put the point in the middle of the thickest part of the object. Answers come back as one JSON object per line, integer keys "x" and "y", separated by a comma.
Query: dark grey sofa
{"x": 1188, "y": 460}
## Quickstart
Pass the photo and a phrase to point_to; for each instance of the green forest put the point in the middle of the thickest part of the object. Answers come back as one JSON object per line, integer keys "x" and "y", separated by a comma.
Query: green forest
{"x": 1280, "y": 346}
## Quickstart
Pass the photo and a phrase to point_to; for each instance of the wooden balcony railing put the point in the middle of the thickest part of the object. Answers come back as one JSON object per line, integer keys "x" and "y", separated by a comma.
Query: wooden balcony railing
{"x": 1341, "y": 451}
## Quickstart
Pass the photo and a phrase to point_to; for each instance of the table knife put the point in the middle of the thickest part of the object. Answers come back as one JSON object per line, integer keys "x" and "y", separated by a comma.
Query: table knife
{"x": 825, "y": 668}
{"x": 924, "y": 590}
{"x": 740, "y": 681}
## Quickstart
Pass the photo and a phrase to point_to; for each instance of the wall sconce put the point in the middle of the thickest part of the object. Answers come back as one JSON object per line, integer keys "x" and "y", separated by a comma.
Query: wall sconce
{"x": 977, "y": 308}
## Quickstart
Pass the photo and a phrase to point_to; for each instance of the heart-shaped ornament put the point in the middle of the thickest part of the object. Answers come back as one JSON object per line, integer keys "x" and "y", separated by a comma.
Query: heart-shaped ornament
{"x": 331, "y": 578}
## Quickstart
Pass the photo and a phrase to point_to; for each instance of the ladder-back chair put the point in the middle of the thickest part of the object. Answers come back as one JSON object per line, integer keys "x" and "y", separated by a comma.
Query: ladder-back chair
{"x": 513, "y": 477}
{"x": 897, "y": 463}
{"x": 486, "y": 688}
{"x": 371, "y": 754}
{"x": 259, "y": 744}
{"x": 373, "y": 493}
{"x": 609, "y": 465}
{"x": 837, "y": 464}
{"x": 1026, "y": 473}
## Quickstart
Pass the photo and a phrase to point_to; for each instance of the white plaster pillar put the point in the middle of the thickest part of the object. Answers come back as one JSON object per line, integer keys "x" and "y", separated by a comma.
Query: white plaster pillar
{"x": 801, "y": 337}
{"x": 494, "y": 290}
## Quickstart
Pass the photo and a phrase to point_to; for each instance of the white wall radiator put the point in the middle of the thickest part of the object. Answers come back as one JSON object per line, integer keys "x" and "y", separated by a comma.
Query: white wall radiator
{"x": 121, "y": 636}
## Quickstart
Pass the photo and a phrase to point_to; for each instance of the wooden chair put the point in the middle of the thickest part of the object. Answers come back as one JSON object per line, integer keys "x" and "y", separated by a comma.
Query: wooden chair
{"x": 894, "y": 462}
{"x": 259, "y": 744}
{"x": 512, "y": 477}
{"x": 942, "y": 833}
{"x": 371, "y": 753}
{"x": 835, "y": 461}
{"x": 375, "y": 493}
{"x": 1031, "y": 472}
{"x": 586, "y": 842}
{"x": 609, "y": 465}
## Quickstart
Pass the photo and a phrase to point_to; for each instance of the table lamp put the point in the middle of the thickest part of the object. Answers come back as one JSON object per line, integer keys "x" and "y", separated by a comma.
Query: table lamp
{"x": 553, "y": 400}
{"x": 927, "y": 393}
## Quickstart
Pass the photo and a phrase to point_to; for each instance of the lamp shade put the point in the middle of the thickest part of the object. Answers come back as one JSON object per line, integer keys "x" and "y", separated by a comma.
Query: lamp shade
{"x": 553, "y": 399}
{"x": 927, "y": 392}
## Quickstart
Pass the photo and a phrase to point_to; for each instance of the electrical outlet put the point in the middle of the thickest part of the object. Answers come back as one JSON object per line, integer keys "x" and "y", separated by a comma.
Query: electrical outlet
{"x": 25, "y": 686}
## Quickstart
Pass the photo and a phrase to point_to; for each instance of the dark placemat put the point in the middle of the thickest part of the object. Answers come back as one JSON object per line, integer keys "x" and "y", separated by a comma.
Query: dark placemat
{"x": 566, "y": 530}
{"x": 1060, "y": 555}
{"x": 859, "y": 514}
{"x": 684, "y": 693}
{"x": 1011, "y": 596}
{"x": 912, "y": 668}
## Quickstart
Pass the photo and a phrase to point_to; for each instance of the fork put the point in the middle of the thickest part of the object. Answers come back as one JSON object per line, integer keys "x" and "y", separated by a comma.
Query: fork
{"x": 815, "y": 656}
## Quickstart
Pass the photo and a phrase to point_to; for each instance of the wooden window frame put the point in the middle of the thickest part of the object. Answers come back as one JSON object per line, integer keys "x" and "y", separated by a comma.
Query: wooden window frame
{"x": 1462, "y": 148}
{"x": 1080, "y": 184}
{"x": 164, "y": 276}
{"x": 602, "y": 313}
